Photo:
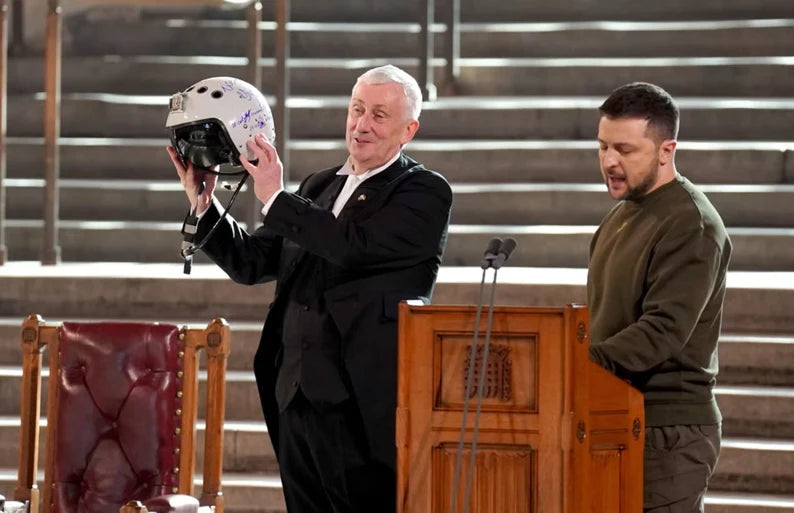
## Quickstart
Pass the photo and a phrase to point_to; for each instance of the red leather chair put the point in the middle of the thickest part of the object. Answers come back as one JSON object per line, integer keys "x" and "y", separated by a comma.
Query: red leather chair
{"x": 121, "y": 416}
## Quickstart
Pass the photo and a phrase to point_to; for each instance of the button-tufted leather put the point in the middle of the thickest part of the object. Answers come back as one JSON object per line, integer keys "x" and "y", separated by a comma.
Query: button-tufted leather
{"x": 117, "y": 398}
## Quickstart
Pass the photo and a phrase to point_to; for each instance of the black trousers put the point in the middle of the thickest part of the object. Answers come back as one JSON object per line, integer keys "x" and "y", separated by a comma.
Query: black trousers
{"x": 679, "y": 461}
{"x": 324, "y": 462}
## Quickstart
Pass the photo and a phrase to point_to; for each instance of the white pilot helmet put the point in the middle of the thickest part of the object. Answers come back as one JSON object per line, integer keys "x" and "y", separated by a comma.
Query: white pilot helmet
{"x": 210, "y": 121}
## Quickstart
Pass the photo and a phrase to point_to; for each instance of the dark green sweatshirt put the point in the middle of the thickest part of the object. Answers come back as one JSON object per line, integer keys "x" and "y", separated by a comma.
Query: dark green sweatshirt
{"x": 655, "y": 289}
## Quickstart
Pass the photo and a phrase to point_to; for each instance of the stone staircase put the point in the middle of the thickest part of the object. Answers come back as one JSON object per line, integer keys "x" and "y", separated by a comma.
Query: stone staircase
{"x": 517, "y": 144}
{"x": 756, "y": 391}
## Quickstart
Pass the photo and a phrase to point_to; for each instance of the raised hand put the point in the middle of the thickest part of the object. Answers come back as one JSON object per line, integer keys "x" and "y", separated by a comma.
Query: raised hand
{"x": 198, "y": 183}
{"x": 268, "y": 172}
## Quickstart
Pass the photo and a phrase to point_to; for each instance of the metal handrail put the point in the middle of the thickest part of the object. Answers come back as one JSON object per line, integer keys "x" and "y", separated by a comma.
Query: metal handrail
{"x": 451, "y": 53}
{"x": 3, "y": 125}
{"x": 426, "y": 50}
{"x": 17, "y": 43}
{"x": 452, "y": 48}
{"x": 282, "y": 83}
{"x": 51, "y": 252}
{"x": 254, "y": 72}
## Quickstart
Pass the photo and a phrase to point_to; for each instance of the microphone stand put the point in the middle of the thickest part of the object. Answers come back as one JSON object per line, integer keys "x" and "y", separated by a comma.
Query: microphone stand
{"x": 480, "y": 388}
{"x": 503, "y": 253}
{"x": 490, "y": 255}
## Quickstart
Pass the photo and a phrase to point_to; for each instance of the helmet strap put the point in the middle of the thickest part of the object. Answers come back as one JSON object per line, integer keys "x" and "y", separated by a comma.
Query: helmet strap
{"x": 189, "y": 229}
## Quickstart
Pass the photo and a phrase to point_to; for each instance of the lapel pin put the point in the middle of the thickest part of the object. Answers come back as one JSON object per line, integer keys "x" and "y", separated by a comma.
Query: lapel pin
{"x": 362, "y": 197}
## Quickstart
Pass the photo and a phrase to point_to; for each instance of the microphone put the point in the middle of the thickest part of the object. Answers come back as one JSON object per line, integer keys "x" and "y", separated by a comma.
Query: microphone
{"x": 491, "y": 252}
{"x": 505, "y": 250}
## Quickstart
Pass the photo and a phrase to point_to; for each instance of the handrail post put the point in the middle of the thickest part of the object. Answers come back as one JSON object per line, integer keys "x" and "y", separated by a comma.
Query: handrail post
{"x": 426, "y": 43}
{"x": 3, "y": 124}
{"x": 51, "y": 252}
{"x": 254, "y": 16}
{"x": 17, "y": 27}
{"x": 282, "y": 84}
{"x": 452, "y": 48}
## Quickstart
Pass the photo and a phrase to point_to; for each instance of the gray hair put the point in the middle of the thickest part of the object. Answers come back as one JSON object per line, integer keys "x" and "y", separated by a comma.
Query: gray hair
{"x": 392, "y": 74}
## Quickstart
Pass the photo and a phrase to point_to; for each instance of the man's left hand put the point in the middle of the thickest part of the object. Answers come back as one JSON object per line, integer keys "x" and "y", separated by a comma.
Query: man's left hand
{"x": 268, "y": 173}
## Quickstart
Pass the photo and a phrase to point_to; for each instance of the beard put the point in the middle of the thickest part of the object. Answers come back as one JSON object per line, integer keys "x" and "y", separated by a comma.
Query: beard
{"x": 640, "y": 190}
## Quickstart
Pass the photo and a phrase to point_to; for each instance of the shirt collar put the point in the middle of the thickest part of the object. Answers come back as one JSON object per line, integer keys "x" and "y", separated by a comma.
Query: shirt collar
{"x": 347, "y": 169}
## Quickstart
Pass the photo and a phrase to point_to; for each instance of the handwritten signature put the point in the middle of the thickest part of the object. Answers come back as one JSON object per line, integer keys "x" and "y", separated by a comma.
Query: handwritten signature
{"x": 246, "y": 117}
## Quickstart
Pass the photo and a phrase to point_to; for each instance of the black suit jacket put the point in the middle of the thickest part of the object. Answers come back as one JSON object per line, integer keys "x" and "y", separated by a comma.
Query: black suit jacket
{"x": 385, "y": 247}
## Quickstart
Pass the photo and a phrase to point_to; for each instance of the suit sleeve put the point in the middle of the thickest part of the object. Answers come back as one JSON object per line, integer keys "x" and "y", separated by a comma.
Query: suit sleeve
{"x": 405, "y": 230}
{"x": 681, "y": 279}
{"x": 247, "y": 258}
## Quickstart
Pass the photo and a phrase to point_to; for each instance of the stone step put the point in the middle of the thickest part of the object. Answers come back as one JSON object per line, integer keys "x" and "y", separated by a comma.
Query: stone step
{"x": 745, "y": 359}
{"x": 366, "y": 40}
{"x": 538, "y": 117}
{"x": 727, "y": 502}
{"x": 244, "y": 342}
{"x": 587, "y": 75}
{"x": 510, "y": 203}
{"x": 739, "y": 205}
{"x": 746, "y": 464}
{"x": 97, "y": 241}
{"x": 103, "y": 200}
{"x": 242, "y": 493}
{"x": 755, "y": 249}
{"x": 756, "y": 360}
{"x": 261, "y": 493}
{"x": 748, "y": 411}
{"x": 761, "y": 465}
{"x": 756, "y": 411}
{"x": 685, "y": 76}
{"x": 756, "y": 302}
{"x": 242, "y": 399}
{"x": 755, "y": 465}
{"x": 528, "y": 10}
{"x": 246, "y": 445}
{"x": 492, "y": 161}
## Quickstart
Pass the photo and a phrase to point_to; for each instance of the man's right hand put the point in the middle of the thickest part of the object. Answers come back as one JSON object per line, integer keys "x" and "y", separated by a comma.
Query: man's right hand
{"x": 192, "y": 180}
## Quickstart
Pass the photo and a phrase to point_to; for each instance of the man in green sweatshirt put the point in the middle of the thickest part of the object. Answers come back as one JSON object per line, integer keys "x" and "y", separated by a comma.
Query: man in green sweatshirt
{"x": 655, "y": 289}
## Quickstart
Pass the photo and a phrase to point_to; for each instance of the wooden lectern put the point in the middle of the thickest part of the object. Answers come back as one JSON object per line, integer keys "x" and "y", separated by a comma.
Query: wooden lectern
{"x": 557, "y": 433}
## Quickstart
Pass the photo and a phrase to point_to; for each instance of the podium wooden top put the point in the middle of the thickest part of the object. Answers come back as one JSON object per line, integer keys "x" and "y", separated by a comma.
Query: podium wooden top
{"x": 414, "y": 305}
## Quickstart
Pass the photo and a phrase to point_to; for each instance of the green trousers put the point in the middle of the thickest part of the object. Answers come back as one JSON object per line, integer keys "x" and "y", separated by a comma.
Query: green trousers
{"x": 679, "y": 461}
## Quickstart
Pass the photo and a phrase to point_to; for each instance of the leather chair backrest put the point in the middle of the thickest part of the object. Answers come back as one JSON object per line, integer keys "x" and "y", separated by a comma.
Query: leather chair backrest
{"x": 118, "y": 406}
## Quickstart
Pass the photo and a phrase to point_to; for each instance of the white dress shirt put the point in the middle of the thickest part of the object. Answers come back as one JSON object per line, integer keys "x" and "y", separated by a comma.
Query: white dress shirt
{"x": 352, "y": 182}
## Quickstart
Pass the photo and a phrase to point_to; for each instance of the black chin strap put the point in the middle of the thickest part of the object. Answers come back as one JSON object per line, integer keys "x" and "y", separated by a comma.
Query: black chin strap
{"x": 189, "y": 228}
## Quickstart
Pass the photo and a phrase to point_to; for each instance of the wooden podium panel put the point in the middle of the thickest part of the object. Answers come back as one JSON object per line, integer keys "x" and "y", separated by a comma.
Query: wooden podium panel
{"x": 556, "y": 432}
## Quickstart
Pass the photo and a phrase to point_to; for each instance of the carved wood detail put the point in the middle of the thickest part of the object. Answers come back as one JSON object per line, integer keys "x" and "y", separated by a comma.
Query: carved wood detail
{"x": 605, "y": 472}
{"x": 498, "y": 372}
{"x": 511, "y": 372}
{"x": 509, "y": 468}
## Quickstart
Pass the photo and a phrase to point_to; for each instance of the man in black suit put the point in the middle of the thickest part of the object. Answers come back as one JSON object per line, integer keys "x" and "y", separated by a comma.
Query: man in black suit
{"x": 345, "y": 249}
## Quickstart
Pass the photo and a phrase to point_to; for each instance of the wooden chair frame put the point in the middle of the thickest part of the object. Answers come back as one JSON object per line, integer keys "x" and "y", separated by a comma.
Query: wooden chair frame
{"x": 38, "y": 335}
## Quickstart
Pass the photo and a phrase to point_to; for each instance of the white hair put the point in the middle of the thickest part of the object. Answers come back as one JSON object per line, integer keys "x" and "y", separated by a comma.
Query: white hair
{"x": 392, "y": 74}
